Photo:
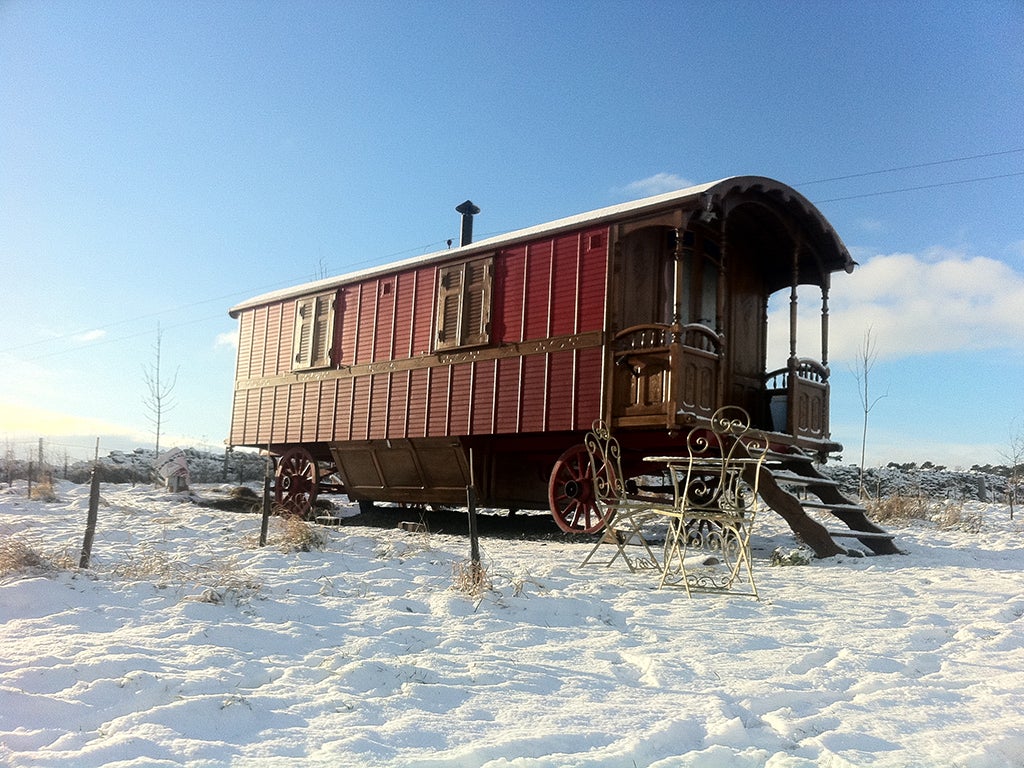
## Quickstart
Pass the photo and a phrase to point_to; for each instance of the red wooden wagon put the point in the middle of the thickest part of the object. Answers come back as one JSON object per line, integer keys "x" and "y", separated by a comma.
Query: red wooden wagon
{"x": 650, "y": 315}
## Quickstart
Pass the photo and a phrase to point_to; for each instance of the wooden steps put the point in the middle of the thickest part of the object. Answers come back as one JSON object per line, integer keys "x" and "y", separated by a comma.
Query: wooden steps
{"x": 785, "y": 475}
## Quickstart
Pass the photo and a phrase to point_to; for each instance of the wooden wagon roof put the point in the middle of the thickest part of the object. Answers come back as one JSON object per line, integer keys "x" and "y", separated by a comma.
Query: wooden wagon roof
{"x": 818, "y": 234}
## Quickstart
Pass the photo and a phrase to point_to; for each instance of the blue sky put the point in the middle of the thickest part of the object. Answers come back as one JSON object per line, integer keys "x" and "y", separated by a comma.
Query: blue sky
{"x": 161, "y": 161}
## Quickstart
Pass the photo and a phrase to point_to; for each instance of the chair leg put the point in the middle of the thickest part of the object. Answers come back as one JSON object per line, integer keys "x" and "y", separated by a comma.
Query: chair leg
{"x": 621, "y": 537}
{"x": 730, "y": 544}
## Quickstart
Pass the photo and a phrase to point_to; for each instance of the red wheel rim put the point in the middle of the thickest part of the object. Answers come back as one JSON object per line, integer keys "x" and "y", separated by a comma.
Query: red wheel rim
{"x": 571, "y": 493}
{"x": 296, "y": 482}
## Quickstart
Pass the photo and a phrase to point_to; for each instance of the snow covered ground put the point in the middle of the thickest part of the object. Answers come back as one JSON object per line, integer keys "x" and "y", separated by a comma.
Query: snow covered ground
{"x": 185, "y": 644}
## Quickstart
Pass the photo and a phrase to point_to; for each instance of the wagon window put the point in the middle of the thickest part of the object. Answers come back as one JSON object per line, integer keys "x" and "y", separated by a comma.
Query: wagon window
{"x": 464, "y": 304}
{"x": 314, "y": 331}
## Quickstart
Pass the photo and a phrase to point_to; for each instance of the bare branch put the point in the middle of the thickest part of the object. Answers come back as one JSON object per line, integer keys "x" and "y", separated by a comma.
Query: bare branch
{"x": 159, "y": 400}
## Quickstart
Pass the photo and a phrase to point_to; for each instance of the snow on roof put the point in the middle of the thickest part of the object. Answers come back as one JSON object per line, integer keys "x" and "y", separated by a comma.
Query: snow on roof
{"x": 722, "y": 186}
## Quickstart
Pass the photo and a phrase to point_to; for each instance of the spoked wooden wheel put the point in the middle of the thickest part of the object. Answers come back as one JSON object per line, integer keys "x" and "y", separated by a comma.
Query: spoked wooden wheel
{"x": 571, "y": 493}
{"x": 296, "y": 482}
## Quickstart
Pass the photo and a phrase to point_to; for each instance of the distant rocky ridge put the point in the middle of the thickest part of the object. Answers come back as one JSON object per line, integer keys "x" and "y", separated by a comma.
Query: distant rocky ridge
{"x": 137, "y": 467}
{"x": 981, "y": 484}
{"x": 928, "y": 480}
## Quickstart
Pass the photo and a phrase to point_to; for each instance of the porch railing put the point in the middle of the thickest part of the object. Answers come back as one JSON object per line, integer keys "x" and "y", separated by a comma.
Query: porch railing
{"x": 663, "y": 369}
{"x": 798, "y": 397}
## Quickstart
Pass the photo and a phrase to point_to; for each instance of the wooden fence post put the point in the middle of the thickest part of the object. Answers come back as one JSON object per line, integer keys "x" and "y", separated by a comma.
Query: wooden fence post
{"x": 90, "y": 524}
{"x": 474, "y": 539}
{"x": 265, "y": 523}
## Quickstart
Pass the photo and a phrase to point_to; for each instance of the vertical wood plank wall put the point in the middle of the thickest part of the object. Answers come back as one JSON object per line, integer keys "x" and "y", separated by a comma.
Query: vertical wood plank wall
{"x": 545, "y": 289}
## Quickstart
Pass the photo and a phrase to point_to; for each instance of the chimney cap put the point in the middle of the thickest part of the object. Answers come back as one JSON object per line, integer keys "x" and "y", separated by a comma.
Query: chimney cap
{"x": 467, "y": 208}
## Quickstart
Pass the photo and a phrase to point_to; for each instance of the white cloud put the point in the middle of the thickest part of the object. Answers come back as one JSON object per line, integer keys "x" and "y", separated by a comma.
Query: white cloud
{"x": 87, "y": 336}
{"x": 228, "y": 339}
{"x": 939, "y": 301}
{"x": 657, "y": 184}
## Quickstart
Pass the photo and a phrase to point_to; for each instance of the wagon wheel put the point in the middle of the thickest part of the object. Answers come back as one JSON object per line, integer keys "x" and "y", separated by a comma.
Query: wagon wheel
{"x": 571, "y": 493}
{"x": 296, "y": 482}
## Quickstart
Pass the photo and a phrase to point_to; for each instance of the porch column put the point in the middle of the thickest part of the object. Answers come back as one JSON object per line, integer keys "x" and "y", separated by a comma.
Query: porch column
{"x": 677, "y": 284}
{"x": 723, "y": 256}
{"x": 825, "y": 285}
{"x": 793, "y": 305}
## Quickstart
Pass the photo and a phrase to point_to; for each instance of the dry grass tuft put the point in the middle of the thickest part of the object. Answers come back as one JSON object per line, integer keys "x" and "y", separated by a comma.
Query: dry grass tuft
{"x": 17, "y": 557}
{"x": 43, "y": 491}
{"x": 293, "y": 534}
{"x": 470, "y": 578}
{"x": 952, "y": 515}
{"x": 898, "y": 508}
{"x": 243, "y": 493}
{"x": 215, "y": 582}
{"x": 902, "y": 508}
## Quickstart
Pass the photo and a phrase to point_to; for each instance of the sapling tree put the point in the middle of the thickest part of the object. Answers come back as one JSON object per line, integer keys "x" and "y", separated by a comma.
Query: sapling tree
{"x": 159, "y": 389}
{"x": 1014, "y": 455}
{"x": 865, "y": 361}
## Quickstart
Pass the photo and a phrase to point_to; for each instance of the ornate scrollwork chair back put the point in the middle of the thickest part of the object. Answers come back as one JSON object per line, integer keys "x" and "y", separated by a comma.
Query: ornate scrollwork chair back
{"x": 624, "y": 516}
{"x": 605, "y": 466}
{"x": 722, "y": 446}
{"x": 718, "y": 502}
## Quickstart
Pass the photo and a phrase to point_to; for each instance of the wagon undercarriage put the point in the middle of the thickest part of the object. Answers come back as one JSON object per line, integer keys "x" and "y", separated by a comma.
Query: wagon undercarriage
{"x": 418, "y": 473}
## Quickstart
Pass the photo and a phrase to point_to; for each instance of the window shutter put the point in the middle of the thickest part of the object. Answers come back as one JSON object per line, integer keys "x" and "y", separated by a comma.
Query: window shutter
{"x": 449, "y": 307}
{"x": 478, "y": 303}
{"x": 304, "y": 310}
{"x": 464, "y": 304}
{"x": 323, "y": 327}
{"x": 314, "y": 331}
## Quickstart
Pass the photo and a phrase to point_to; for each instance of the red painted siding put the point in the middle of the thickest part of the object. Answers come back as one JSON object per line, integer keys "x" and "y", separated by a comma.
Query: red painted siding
{"x": 483, "y": 417}
{"x": 346, "y": 324}
{"x": 507, "y": 319}
{"x": 423, "y": 317}
{"x": 418, "y": 392}
{"x": 537, "y": 301}
{"x": 377, "y": 423}
{"x": 548, "y": 288}
{"x": 402, "y": 314}
{"x": 460, "y": 400}
{"x": 399, "y": 406}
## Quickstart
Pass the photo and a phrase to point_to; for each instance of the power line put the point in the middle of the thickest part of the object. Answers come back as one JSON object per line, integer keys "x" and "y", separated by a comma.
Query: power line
{"x": 158, "y": 313}
{"x": 911, "y": 167}
{"x": 424, "y": 248}
{"x": 921, "y": 186}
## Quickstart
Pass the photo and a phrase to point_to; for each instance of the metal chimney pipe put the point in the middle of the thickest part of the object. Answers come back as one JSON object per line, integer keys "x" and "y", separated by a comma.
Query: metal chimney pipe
{"x": 468, "y": 210}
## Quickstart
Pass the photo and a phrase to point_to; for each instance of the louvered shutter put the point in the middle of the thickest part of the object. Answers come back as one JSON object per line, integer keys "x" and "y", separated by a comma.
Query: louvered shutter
{"x": 305, "y": 308}
{"x": 477, "y": 315}
{"x": 314, "y": 331}
{"x": 464, "y": 304}
{"x": 449, "y": 306}
{"x": 323, "y": 327}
